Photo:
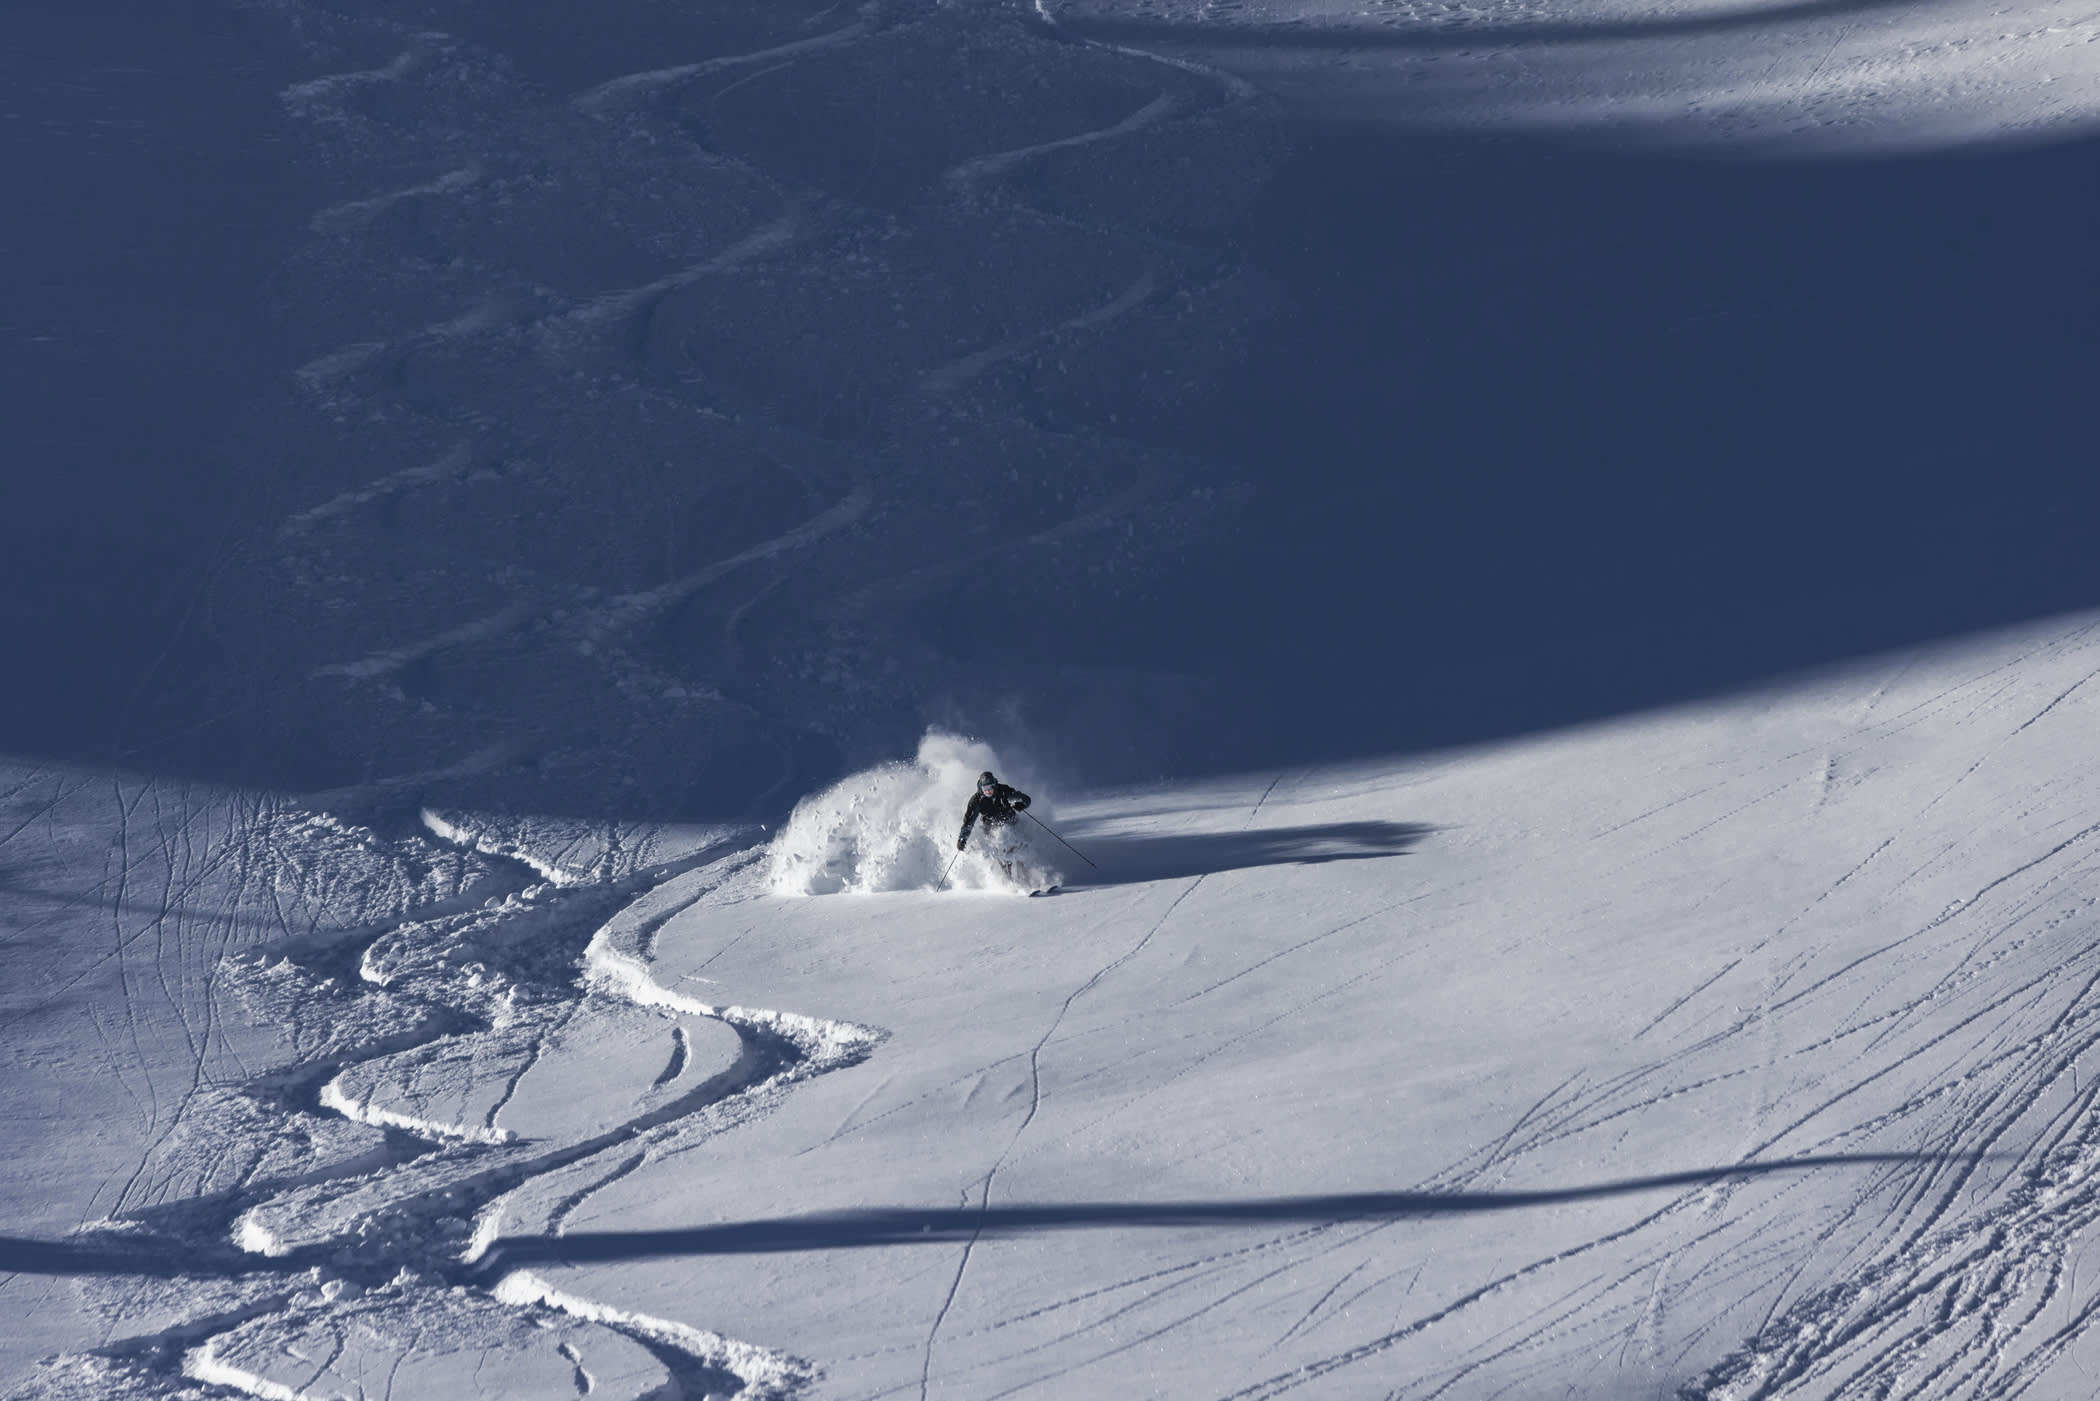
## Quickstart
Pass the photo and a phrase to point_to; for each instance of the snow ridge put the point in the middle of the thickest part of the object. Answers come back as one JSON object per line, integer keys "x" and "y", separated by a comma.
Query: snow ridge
{"x": 204, "y": 1366}
{"x": 334, "y": 1096}
{"x": 819, "y": 1045}
{"x": 766, "y": 1375}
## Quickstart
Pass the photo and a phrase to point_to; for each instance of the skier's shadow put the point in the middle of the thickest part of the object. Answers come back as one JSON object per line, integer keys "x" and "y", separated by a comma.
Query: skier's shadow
{"x": 1126, "y": 860}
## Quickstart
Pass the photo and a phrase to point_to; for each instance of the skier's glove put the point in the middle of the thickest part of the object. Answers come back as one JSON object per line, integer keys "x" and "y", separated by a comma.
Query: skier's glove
{"x": 961, "y": 842}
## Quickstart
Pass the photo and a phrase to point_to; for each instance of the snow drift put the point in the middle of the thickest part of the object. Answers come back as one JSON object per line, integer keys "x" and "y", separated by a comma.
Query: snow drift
{"x": 893, "y": 827}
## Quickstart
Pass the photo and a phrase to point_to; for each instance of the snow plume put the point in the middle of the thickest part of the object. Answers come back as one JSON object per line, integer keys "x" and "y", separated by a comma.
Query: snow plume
{"x": 893, "y": 828}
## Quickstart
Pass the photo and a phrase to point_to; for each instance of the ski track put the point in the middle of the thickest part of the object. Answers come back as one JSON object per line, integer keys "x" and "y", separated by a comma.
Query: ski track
{"x": 1979, "y": 1280}
{"x": 984, "y": 1187}
{"x": 1231, "y": 85}
{"x": 624, "y": 613}
{"x": 579, "y": 330}
{"x": 615, "y": 307}
{"x": 396, "y": 1214}
{"x": 351, "y": 216}
{"x": 631, "y": 89}
{"x": 999, "y": 162}
{"x": 452, "y": 464}
{"x": 1035, "y": 1104}
{"x": 1998, "y": 1094}
{"x": 1957, "y": 1271}
{"x": 948, "y": 378}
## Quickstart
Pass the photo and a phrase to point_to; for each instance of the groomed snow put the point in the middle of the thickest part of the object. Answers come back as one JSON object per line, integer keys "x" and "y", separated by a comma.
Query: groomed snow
{"x": 1734, "y": 1050}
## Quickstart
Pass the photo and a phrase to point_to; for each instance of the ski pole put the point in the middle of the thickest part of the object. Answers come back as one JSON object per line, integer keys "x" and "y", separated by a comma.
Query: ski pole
{"x": 949, "y": 872}
{"x": 1067, "y": 845}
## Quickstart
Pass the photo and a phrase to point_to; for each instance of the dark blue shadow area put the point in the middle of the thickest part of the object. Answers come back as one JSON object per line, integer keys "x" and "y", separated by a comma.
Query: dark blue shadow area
{"x": 1119, "y": 860}
{"x": 1526, "y": 432}
{"x": 1550, "y": 433}
{"x": 147, "y": 196}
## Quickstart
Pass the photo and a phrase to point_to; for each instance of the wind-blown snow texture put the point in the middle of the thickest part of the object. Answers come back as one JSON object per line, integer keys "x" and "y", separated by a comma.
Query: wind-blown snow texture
{"x": 479, "y": 466}
{"x": 894, "y": 828}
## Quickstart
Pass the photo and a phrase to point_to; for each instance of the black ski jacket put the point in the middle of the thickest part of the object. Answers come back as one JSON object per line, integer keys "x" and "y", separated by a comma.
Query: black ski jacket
{"x": 1005, "y": 804}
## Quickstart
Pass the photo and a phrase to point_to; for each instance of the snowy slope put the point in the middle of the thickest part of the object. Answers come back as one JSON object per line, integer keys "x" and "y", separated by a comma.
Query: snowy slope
{"x": 1734, "y": 1049}
{"x": 658, "y": 409}
{"x": 533, "y": 447}
{"x": 1844, "y": 927}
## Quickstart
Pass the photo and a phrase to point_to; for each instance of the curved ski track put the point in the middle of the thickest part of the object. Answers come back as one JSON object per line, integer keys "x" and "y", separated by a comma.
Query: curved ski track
{"x": 514, "y": 945}
{"x": 1952, "y": 1275}
{"x": 574, "y": 334}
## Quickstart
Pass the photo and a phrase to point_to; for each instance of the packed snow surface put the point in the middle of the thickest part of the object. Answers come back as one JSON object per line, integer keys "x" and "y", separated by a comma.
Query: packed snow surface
{"x": 1734, "y": 1050}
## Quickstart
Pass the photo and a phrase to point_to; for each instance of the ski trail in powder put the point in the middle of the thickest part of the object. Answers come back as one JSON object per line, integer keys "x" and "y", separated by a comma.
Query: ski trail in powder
{"x": 1035, "y": 1097}
{"x": 559, "y": 917}
{"x": 1035, "y": 1103}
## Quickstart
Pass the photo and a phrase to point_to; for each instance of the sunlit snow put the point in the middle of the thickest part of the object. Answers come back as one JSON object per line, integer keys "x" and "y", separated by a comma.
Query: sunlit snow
{"x": 1736, "y": 1048}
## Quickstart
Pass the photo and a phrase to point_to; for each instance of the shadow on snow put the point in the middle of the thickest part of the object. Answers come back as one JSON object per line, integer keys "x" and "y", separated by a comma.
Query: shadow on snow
{"x": 1535, "y": 431}
{"x": 876, "y": 1226}
{"x": 1128, "y": 860}
{"x": 881, "y": 1226}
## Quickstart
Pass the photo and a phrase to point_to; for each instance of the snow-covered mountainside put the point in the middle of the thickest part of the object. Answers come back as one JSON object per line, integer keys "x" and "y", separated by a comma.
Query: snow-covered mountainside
{"x": 1730, "y": 1051}
{"x": 665, "y": 408}
{"x": 644, "y": 438}
{"x": 1535, "y": 561}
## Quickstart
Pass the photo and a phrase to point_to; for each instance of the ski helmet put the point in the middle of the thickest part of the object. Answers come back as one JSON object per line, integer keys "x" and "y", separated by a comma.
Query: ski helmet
{"x": 985, "y": 779}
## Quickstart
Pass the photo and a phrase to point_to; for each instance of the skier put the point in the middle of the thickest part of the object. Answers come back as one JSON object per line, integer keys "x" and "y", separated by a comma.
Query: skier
{"x": 998, "y": 804}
